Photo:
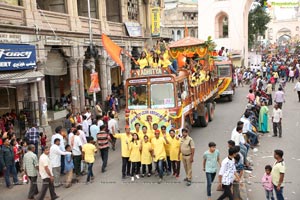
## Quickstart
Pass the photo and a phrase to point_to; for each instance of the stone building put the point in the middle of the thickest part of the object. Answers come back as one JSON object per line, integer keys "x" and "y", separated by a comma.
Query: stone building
{"x": 226, "y": 21}
{"x": 59, "y": 30}
{"x": 179, "y": 14}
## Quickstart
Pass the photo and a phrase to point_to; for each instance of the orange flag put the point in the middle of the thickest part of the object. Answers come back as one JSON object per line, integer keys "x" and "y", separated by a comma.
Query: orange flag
{"x": 113, "y": 50}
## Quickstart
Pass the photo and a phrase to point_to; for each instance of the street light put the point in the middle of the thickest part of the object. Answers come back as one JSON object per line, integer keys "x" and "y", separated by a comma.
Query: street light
{"x": 92, "y": 52}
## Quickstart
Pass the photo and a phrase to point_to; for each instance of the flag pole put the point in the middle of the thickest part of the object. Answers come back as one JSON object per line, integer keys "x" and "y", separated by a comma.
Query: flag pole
{"x": 128, "y": 54}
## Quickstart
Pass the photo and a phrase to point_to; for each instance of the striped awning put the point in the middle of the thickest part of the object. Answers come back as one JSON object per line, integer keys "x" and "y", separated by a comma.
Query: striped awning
{"x": 20, "y": 77}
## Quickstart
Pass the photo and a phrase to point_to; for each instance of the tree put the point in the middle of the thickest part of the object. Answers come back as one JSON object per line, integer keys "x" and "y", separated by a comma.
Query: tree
{"x": 257, "y": 22}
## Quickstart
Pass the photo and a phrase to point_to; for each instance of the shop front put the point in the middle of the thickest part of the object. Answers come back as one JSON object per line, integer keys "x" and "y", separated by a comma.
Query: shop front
{"x": 18, "y": 84}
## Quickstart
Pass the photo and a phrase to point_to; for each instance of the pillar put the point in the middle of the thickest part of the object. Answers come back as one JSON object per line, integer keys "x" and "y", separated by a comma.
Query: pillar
{"x": 80, "y": 83}
{"x": 72, "y": 63}
{"x": 34, "y": 100}
{"x": 103, "y": 75}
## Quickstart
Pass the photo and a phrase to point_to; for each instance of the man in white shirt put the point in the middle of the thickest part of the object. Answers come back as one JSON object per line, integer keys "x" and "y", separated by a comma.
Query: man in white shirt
{"x": 227, "y": 174}
{"x": 279, "y": 97}
{"x": 81, "y": 135}
{"x": 58, "y": 134}
{"x": 113, "y": 125}
{"x": 55, "y": 158}
{"x": 236, "y": 135}
{"x": 100, "y": 121}
{"x": 276, "y": 119}
{"x": 85, "y": 126}
{"x": 94, "y": 129}
{"x": 88, "y": 115}
{"x": 77, "y": 152}
{"x": 297, "y": 89}
{"x": 45, "y": 170}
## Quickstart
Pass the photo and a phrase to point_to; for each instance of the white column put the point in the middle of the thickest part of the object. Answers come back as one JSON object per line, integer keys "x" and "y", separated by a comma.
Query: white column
{"x": 103, "y": 76}
{"x": 80, "y": 83}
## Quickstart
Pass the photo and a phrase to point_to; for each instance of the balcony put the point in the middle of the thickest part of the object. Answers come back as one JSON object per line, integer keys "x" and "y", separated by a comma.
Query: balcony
{"x": 54, "y": 20}
{"x": 13, "y": 15}
{"x": 96, "y": 25}
{"x": 117, "y": 29}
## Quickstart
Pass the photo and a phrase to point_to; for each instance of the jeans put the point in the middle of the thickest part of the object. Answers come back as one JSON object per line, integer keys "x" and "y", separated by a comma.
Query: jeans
{"x": 167, "y": 165}
{"x": 47, "y": 183}
{"x": 174, "y": 64}
{"x": 269, "y": 195}
{"x": 253, "y": 137}
{"x": 125, "y": 166}
{"x": 10, "y": 169}
{"x": 104, "y": 157}
{"x": 210, "y": 177}
{"x": 160, "y": 168}
{"x": 149, "y": 169}
{"x": 62, "y": 164}
{"x": 77, "y": 164}
{"x": 176, "y": 167}
{"x": 277, "y": 126}
{"x": 227, "y": 192}
{"x": 279, "y": 194}
{"x": 90, "y": 171}
{"x": 172, "y": 69}
{"x": 33, "y": 190}
{"x": 134, "y": 168}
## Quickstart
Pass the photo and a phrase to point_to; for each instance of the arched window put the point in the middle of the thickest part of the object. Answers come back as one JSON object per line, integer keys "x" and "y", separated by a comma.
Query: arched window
{"x": 221, "y": 25}
{"x": 178, "y": 35}
{"x": 192, "y": 34}
{"x": 173, "y": 35}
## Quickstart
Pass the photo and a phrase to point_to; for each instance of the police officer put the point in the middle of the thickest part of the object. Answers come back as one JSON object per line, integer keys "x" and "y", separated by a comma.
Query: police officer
{"x": 187, "y": 148}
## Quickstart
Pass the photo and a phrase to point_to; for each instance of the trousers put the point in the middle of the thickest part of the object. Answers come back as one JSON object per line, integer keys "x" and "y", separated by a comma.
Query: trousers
{"x": 33, "y": 190}
{"x": 47, "y": 184}
{"x": 186, "y": 160}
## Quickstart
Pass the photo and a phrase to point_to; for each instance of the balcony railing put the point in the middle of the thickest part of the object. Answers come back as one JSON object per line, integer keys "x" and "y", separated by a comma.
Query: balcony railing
{"x": 116, "y": 28}
{"x": 96, "y": 25}
{"x": 56, "y": 21}
{"x": 13, "y": 15}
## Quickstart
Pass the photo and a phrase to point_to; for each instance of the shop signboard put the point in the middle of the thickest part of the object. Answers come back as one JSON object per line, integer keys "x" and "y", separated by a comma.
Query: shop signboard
{"x": 17, "y": 57}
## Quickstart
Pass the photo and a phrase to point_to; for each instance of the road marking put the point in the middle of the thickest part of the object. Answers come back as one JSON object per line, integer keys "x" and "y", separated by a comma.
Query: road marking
{"x": 267, "y": 157}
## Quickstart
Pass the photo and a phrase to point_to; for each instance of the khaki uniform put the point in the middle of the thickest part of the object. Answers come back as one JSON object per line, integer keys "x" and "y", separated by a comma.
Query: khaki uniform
{"x": 186, "y": 146}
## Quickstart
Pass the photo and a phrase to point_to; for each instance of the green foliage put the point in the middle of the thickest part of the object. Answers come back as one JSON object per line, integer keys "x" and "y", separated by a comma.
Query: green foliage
{"x": 257, "y": 22}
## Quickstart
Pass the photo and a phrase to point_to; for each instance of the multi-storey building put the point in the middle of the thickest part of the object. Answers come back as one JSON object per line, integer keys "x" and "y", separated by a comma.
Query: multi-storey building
{"x": 59, "y": 31}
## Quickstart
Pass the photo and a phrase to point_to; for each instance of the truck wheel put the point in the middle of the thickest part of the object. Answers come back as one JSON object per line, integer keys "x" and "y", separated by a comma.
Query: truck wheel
{"x": 205, "y": 118}
{"x": 211, "y": 111}
{"x": 230, "y": 97}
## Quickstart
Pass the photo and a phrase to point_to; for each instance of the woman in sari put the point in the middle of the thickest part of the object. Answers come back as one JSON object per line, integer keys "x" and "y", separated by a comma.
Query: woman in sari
{"x": 263, "y": 118}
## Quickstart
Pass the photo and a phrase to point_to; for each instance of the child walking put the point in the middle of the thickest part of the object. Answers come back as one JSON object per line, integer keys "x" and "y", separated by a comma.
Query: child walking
{"x": 69, "y": 166}
{"x": 267, "y": 183}
{"x": 88, "y": 155}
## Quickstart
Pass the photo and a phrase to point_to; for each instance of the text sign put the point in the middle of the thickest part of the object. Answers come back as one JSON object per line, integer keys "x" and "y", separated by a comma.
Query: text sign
{"x": 17, "y": 57}
{"x": 149, "y": 71}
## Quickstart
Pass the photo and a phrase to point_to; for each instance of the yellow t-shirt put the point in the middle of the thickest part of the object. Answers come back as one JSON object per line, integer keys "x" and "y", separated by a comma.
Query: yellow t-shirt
{"x": 158, "y": 146}
{"x": 149, "y": 134}
{"x": 135, "y": 154}
{"x": 143, "y": 63}
{"x": 140, "y": 132}
{"x": 124, "y": 138}
{"x": 166, "y": 55}
{"x": 146, "y": 123}
{"x": 277, "y": 169}
{"x": 156, "y": 64}
{"x": 89, "y": 152}
{"x": 174, "y": 148}
{"x": 165, "y": 63}
{"x": 146, "y": 157}
{"x": 167, "y": 146}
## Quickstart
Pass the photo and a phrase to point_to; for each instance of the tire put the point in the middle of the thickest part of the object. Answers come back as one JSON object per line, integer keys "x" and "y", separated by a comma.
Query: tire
{"x": 204, "y": 119}
{"x": 230, "y": 97}
{"x": 211, "y": 111}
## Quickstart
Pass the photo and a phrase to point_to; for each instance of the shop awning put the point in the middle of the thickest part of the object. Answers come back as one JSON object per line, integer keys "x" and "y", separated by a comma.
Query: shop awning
{"x": 20, "y": 77}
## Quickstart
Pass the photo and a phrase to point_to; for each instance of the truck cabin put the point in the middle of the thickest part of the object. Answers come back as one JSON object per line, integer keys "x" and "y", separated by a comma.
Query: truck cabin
{"x": 224, "y": 69}
{"x": 155, "y": 88}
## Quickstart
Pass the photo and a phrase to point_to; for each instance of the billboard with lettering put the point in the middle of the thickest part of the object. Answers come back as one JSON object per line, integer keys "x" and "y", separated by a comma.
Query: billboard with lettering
{"x": 17, "y": 57}
{"x": 155, "y": 22}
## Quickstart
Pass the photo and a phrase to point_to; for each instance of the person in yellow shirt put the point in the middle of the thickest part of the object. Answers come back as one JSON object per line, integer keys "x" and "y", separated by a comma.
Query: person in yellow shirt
{"x": 155, "y": 62}
{"x": 137, "y": 129}
{"x": 174, "y": 150}
{"x": 135, "y": 156}
{"x": 167, "y": 163}
{"x": 142, "y": 61}
{"x": 146, "y": 158}
{"x": 145, "y": 132}
{"x": 149, "y": 122}
{"x": 159, "y": 152}
{"x": 88, "y": 155}
{"x": 166, "y": 64}
{"x": 125, "y": 140}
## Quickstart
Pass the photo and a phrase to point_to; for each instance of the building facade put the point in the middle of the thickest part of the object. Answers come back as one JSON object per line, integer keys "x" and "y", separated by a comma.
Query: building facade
{"x": 178, "y": 15}
{"x": 59, "y": 30}
{"x": 226, "y": 21}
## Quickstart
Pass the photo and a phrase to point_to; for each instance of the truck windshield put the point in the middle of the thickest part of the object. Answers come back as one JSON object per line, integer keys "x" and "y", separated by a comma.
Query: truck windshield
{"x": 224, "y": 71}
{"x": 162, "y": 95}
{"x": 137, "y": 97}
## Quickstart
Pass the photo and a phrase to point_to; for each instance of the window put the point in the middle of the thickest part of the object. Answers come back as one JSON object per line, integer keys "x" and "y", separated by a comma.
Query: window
{"x": 137, "y": 97}
{"x": 12, "y": 2}
{"x": 113, "y": 11}
{"x": 133, "y": 9}
{"x": 221, "y": 25}
{"x": 162, "y": 95}
{"x": 178, "y": 35}
{"x": 55, "y": 6}
{"x": 82, "y": 8}
{"x": 224, "y": 71}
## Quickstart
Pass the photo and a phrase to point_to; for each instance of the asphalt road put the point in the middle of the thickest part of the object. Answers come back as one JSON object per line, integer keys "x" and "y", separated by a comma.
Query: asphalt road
{"x": 110, "y": 185}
